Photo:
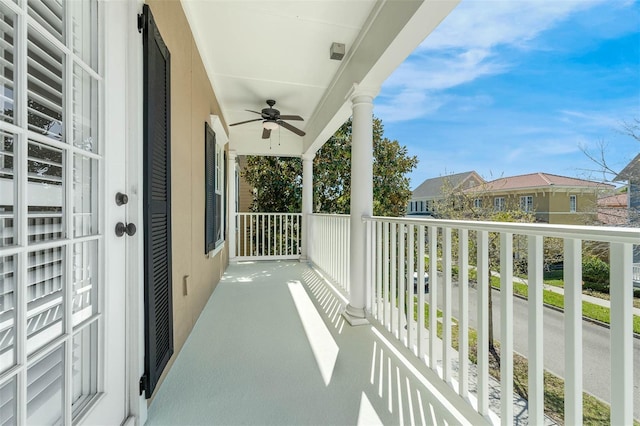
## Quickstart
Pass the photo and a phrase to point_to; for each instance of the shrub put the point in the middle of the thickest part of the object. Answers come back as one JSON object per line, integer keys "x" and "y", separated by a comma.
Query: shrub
{"x": 595, "y": 274}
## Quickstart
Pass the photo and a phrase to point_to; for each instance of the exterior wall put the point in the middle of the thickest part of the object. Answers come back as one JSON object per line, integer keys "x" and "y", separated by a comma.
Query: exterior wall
{"x": 192, "y": 102}
{"x": 586, "y": 208}
{"x": 553, "y": 206}
{"x": 245, "y": 190}
{"x": 634, "y": 202}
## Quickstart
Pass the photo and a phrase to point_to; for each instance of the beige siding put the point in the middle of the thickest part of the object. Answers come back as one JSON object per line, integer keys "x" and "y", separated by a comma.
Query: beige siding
{"x": 245, "y": 191}
{"x": 192, "y": 102}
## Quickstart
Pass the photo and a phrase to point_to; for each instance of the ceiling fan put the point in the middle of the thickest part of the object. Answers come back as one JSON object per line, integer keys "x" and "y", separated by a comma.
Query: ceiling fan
{"x": 271, "y": 120}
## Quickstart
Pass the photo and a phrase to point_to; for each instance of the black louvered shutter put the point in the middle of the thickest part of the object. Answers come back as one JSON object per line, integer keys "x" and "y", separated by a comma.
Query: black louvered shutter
{"x": 158, "y": 305}
{"x": 210, "y": 188}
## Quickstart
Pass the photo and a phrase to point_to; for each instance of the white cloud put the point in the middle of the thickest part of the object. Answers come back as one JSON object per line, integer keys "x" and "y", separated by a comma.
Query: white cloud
{"x": 484, "y": 24}
{"x": 462, "y": 49}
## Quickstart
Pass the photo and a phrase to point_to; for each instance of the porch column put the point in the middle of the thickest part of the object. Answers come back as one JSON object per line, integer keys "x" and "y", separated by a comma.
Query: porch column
{"x": 231, "y": 202}
{"x": 361, "y": 200}
{"x": 307, "y": 204}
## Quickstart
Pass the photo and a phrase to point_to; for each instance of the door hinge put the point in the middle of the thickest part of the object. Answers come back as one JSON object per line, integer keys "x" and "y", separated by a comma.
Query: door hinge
{"x": 140, "y": 22}
{"x": 144, "y": 384}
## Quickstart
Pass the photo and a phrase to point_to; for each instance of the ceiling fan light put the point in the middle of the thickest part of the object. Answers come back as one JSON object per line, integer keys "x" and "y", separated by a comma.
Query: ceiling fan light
{"x": 269, "y": 125}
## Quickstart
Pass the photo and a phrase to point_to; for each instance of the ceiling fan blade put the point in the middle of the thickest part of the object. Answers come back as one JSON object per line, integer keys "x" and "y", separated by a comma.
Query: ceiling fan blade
{"x": 247, "y": 121}
{"x": 291, "y": 128}
{"x": 255, "y": 112}
{"x": 266, "y": 133}
{"x": 291, "y": 117}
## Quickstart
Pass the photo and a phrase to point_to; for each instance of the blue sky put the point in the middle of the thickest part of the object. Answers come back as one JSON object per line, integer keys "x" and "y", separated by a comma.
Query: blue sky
{"x": 514, "y": 87}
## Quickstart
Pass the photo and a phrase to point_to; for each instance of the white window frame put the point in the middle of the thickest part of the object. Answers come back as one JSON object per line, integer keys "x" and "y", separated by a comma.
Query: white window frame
{"x": 573, "y": 203}
{"x": 498, "y": 204}
{"x": 477, "y": 203}
{"x": 526, "y": 203}
{"x": 219, "y": 190}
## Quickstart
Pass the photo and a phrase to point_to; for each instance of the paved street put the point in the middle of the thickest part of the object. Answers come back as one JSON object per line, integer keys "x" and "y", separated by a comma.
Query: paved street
{"x": 596, "y": 357}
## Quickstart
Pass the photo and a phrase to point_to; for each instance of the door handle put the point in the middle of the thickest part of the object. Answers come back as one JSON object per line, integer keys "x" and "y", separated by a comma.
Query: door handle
{"x": 121, "y": 199}
{"x": 121, "y": 229}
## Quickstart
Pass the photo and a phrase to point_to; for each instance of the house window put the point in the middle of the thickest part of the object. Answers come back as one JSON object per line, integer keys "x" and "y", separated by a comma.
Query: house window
{"x": 214, "y": 186}
{"x": 421, "y": 206}
{"x": 573, "y": 203}
{"x": 526, "y": 203}
{"x": 477, "y": 203}
{"x": 498, "y": 204}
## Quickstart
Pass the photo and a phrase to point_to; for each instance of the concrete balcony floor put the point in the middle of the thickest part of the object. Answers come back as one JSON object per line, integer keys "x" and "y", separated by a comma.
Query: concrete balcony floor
{"x": 271, "y": 347}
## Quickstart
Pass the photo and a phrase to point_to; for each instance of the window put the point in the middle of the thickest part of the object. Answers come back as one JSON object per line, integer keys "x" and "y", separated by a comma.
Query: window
{"x": 214, "y": 186}
{"x": 573, "y": 203}
{"x": 477, "y": 203}
{"x": 51, "y": 159}
{"x": 526, "y": 203}
{"x": 498, "y": 204}
{"x": 421, "y": 206}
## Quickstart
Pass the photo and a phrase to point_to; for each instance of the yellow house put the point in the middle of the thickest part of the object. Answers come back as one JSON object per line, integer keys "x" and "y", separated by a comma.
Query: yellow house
{"x": 554, "y": 199}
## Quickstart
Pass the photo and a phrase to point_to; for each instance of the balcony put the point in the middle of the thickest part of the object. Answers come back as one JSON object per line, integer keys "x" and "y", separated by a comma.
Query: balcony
{"x": 272, "y": 346}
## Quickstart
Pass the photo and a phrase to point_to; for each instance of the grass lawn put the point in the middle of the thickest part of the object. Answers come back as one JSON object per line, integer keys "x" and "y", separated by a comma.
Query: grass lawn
{"x": 589, "y": 310}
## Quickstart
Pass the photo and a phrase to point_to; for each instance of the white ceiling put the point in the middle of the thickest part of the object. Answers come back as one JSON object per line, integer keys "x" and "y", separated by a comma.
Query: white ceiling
{"x": 259, "y": 50}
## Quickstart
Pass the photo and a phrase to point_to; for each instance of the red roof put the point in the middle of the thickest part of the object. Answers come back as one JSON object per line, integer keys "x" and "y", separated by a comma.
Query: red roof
{"x": 539, "y": 180}
{"x": 619, "y": 200}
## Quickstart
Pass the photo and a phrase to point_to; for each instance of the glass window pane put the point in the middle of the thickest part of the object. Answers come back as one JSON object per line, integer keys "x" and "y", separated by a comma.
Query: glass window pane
{"x": 45, "y": 296}
{"x": 8, "y": 403}
{"x": 7, "y": 313}
{"x": 48, "y": 13}
{"x": 84, "y": 25}
{"x": 44, "y": 87}
{"x": 7, "y": 82}
{"x": 85, "y": 196}
{"x": 85, "y": 280}
{"x": 45, "y": 193}
{"x": 44, "y": 390}
{"x": 7, "y": 190}
{"x": 85, "y": 366}
{"x": 85, "y": 110}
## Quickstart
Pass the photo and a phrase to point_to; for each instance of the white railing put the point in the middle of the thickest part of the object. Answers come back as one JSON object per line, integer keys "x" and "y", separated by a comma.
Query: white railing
{"x": 268, "y": 236}
{"x": 329, "y": 237}
{"x": 397, "y": 250}
{"x": 636, "y": 272}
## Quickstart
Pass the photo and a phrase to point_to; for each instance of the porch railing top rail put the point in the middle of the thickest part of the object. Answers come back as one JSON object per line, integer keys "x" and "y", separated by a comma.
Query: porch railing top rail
{"x": 582, "y": 232}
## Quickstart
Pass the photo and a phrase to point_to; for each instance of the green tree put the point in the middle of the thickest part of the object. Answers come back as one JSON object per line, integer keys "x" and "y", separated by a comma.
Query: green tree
{"x": 277, "y": 182}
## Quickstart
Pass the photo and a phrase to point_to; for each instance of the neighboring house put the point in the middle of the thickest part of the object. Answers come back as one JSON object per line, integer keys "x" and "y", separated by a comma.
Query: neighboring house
{"x": 614, "y": 209}
{"x": 554, "y": 199}
{"x": 428, "y": 193}
{"x": 631, "y": 175}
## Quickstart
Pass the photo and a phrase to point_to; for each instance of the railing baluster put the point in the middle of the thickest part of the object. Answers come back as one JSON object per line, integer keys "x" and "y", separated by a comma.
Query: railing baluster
{"x": 386, "y": 271}
{"x": 536, "y": 364}
{"x": 251, "y": 220}
{"x": 433, "y": 296}
{"x": 483, "y": 323}
{"x": 379, "y": 262}
{"x": 506, "y": 327}
{"x": 402, "y": 293}
{"x": 421, "y": 335}
{"x": 621, "y": 288}
{"x": 368, "y": 262}
{"x": 394, "y": 279}
{"x": 463, "y": 320}
{"x": 573, "y": 331}
{"x": 446, "y": 311}
{"x": 409, "y": 282}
